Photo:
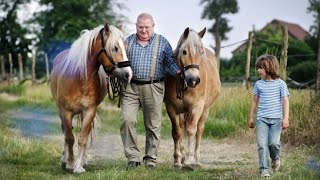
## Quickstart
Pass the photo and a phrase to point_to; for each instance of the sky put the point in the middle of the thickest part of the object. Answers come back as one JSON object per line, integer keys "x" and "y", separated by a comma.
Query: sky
{"x": 173, "y": 16}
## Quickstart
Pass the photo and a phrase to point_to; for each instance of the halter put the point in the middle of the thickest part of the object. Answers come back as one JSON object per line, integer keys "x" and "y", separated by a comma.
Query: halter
{"x": 115, "y": 65}
{"x": 180, "y": 83}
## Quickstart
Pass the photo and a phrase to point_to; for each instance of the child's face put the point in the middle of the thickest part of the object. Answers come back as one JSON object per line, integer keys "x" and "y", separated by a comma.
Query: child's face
{"x": 262, "y": 73}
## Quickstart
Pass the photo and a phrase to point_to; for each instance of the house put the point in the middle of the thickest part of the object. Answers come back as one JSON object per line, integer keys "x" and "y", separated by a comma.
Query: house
{"x": 295, "y": 31}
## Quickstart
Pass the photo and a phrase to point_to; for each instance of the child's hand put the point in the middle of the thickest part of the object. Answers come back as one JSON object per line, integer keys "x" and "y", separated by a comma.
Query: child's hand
{"x": 285, "y": 124}
{"x": 251, "y": 123}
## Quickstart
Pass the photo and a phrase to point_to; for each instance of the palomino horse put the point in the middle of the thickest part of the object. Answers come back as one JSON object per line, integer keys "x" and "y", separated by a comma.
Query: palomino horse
{"x": 188, "y": 98}
{"x": 78, "y": 84}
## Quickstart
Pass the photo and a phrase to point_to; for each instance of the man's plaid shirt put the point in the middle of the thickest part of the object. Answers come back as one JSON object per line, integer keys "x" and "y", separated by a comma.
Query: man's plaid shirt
{"x": 141, "y": 58}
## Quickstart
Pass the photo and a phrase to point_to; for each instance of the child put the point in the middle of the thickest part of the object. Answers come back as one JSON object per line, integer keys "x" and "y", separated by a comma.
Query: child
{"x": 270, "y": 95}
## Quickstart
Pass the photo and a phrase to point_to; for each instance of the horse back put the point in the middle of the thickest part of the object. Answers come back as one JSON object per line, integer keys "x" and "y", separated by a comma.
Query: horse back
{"x": 213, "y": 82}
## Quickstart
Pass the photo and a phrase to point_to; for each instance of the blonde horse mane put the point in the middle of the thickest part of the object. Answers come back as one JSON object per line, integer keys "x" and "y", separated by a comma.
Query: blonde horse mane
{"x": 76, "y": 60}
{"x": 193, "y": 42}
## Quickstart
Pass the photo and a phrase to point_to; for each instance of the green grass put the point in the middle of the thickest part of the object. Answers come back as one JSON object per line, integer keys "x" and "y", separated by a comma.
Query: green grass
{"x": 23, "y": 158}
{"x": 37, "y": 158}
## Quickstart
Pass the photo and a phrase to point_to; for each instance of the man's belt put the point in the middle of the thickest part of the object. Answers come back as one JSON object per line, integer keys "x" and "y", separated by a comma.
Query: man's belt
{"x": 142, "y": 82}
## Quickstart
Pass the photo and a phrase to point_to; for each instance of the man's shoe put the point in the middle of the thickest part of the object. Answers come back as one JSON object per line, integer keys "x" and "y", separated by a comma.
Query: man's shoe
{"x": 264, "y": 173}
{"x": 275, "y": 164}
{"x": 133, "y": 165}
{"x": 150, "y": 165}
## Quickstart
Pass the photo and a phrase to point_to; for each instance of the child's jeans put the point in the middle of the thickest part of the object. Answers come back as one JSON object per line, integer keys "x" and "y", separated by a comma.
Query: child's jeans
{"x": 268, "y": 140}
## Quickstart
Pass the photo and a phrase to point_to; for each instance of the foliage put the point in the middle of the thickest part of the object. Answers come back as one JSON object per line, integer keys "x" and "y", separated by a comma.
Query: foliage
{"x": 314, "y": 8}
{"x": 61, "y": 22}
{"x": 13, "y": 34}
{"x": 303, "y": 72}
{"x": 269, "y": 41}
{"x": 214, "y": 10}
{"x": 304, "y": 119}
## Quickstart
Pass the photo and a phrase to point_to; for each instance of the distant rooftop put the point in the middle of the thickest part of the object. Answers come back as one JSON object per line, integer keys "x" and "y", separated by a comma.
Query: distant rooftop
{"x": 294, "y": 30}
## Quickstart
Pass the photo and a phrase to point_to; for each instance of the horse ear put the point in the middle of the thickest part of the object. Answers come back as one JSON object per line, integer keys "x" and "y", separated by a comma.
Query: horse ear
{"x": 201, "y": 33}
{"x": 106, "y": 28}
{"x": 119, "y": 27}
{"x": 186, "y": 33}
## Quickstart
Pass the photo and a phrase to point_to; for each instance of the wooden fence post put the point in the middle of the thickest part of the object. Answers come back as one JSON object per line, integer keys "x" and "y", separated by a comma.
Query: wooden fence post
{"x": 217, "y": 50}
{"x": 249, "y": 46}
{"x": 284, "y": 52}
{"x": 34, "y": 67}
{"x": 318, "y": 64}
{"x": 3, "y": 72}
{"x": 47, "y": 66}
{"x": 11, "y": 68}
{"x": 20, "y": 67}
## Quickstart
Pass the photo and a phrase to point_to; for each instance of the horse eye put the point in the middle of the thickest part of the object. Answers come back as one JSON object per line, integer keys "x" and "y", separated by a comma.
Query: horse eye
{"x": 184, "y": 52}
{"x": 116, "y": 49}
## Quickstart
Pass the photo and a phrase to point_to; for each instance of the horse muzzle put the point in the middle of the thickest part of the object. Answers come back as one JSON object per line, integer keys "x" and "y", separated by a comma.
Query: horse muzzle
{"x": 192, "y": 82}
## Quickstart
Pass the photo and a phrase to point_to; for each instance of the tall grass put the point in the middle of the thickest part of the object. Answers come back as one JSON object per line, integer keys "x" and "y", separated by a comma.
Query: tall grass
{"x": 229, "y": 113}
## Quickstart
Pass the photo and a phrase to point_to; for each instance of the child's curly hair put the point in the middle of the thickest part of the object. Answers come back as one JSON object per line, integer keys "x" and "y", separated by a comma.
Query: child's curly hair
{"x": 270, "y": 64}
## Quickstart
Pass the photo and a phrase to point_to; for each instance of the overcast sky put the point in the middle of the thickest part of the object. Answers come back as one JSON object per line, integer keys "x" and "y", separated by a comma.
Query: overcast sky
{"x": 173, "y": 16}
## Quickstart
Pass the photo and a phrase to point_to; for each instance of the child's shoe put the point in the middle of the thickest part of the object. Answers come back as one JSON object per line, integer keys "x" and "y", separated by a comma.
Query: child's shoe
{"x": 275, "y": 164}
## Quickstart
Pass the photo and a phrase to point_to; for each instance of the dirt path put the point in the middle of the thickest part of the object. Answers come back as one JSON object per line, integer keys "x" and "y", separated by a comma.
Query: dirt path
{"x": 214, "y": 153}
{"x": 217, "y": 154}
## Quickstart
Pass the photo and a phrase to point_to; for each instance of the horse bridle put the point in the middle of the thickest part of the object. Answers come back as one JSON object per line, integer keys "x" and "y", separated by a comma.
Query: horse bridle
{"x": 115, "y": 65}
{"x": 180, "y": 83}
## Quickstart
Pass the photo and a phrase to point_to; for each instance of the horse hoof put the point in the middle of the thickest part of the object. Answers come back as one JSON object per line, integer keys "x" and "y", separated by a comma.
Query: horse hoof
{"x": 196, "y": 165}
{"x": 79, "y": 170}
{"x": 64, "y": 166}
{"x": 177, "y": 166}
{"x": 188, "y": 167}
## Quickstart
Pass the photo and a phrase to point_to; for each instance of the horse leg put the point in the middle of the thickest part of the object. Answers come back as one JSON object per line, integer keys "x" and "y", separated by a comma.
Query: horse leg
{"x": 87, "y": 117}
{"x": 191, "y": 130}
{"x": 176, "y": 135}
{"x": 199, "y": 133}
{"x": 182, "y": 128}
{"x": 68, "y": 156}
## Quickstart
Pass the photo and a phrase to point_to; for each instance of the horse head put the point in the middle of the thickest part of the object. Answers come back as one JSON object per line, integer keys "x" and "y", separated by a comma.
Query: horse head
{"x": 190, "y": 52}
{"x": 112, "y": 54}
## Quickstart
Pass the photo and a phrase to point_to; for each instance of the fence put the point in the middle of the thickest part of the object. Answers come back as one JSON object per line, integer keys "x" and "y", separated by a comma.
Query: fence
{"x": 18, "y": 73}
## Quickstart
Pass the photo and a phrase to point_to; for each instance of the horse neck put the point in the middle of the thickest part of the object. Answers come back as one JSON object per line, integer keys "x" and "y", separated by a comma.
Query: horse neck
{"x": 92, "y": 66}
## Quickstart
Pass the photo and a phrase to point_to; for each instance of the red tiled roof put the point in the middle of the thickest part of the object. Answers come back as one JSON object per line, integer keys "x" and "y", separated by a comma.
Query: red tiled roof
{"x": 294, "y": 30}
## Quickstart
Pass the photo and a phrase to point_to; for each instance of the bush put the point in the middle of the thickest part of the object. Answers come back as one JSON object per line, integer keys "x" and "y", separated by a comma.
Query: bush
{"x": 303, "y": 72}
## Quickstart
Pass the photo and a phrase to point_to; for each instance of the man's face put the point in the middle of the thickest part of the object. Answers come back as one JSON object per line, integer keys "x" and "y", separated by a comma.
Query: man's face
{"x": 144, "y": 28}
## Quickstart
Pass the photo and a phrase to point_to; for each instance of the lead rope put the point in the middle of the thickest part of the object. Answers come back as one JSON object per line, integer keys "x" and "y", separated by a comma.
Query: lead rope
{"x": 114, "y": 87}
{"x": 180, "y": 87}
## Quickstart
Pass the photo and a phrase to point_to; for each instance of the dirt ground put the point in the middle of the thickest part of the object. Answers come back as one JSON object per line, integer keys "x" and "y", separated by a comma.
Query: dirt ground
{"x": 214, "y": 153}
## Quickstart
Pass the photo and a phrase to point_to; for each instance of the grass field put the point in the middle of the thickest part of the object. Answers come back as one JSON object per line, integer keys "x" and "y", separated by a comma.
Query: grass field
{"x": 23, "y": 157}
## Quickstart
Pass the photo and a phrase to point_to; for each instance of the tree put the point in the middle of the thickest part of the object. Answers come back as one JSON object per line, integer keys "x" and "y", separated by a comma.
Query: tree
{"x": 315, "y": 8}
{"x": 61, "y": 22}
{"x": 12, "y": 35}
{"x": 214, "y": 10}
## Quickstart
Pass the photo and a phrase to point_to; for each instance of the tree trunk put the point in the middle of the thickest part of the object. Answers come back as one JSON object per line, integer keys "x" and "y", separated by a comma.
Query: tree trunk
{"x": 20, "y": 67}
{"x": 34, "y": 67}
{"x": 217, "y": 49}
{"x": 47, "y": 66}
{"x": 249, "y": 46}
{"x": 3, "y": 71}
{"x": 284, "y": 52}
{"x": 318, "y": 66}
{"x": 11, "y": 69}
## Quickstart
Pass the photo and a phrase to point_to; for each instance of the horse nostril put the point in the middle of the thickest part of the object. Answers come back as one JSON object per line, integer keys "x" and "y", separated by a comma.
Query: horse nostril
{"x": 198, "y": 81}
